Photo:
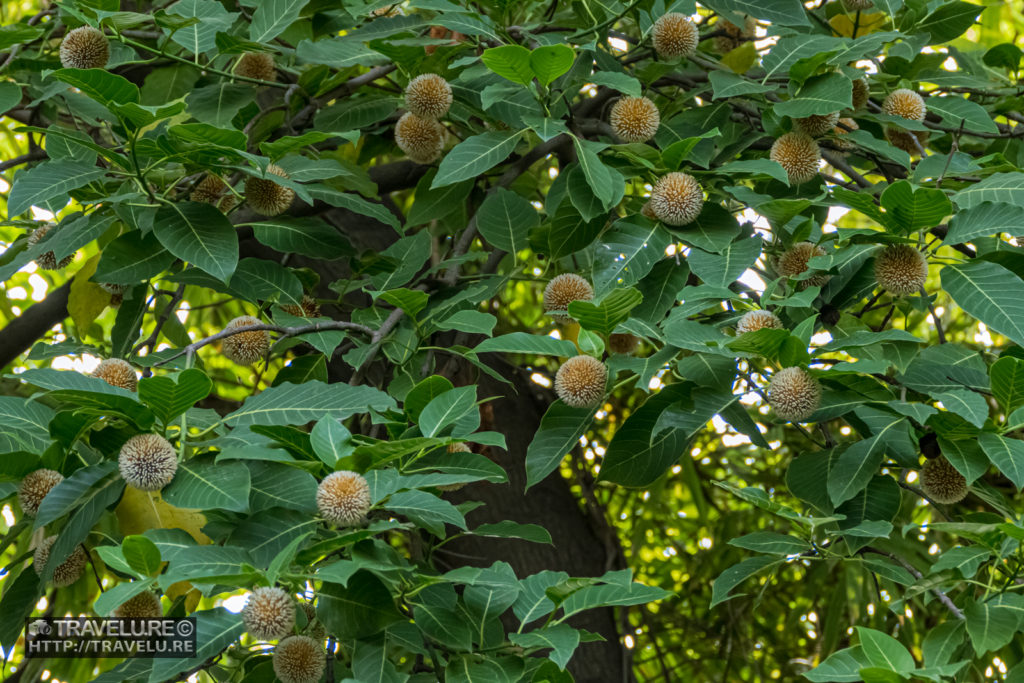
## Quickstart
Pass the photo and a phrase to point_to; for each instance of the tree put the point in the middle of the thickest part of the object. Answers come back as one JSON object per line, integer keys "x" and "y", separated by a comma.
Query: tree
{"x": 517, "y": 341}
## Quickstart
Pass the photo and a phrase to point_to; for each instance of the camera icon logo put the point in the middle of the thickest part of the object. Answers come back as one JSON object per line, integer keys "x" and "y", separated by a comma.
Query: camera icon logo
{"x": 40, "y": 627}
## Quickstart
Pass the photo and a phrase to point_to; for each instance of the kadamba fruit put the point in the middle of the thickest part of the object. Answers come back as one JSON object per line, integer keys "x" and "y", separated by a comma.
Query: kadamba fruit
{"x": 861, "y": 93}
{"x": 906, "y": 104}
{"x": 793, "y": 394}
{"x": 84, "y": 48}
{"x": 677, "y": 199}
{"x": 266, "y": 197}
{"x": 148, "y": 462}
{"x": 842, "y": 129}
{"x": 734, "y": 35}
{"x": 794, "y": 260}
{"x": 647, "y": 211}
{"x": 428, "y": 96}
{"x": 816, "y": 125}
{"x": 258, "y": 65}
{"x": 752, "y": 321}
{"x": 675, "y": 35}
{"x": 798, "y": 154}
{"x": 308, "y": 308}
{"x": 245, "y": 348}
{"x": 269, "y": 613}
{"x": 942, "y": 482}
{"x": 145, "y": 605}
{"x": 625, "y": 343}
{"x": 911, "y": 142}
{"x": 421, "y": 139}
{"x": 48, "y": 260}
{"x": 299, "y": 659}
{"x": 635, "y": 119}
{"x": 34, "y": 488}
{"x": 213, "y": 190}
{"x": 68, "y": 571}
{"x": 343, "y": 498}
{"x": 580, "y": 381}
{"x": 562, "y": 291}
{"x": 901, "y": 269}
{"x": 117, "y": 373}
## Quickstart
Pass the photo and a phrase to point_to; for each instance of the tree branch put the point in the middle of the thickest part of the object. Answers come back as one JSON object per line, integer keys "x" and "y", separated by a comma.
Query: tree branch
{"x": 26, "y": 329}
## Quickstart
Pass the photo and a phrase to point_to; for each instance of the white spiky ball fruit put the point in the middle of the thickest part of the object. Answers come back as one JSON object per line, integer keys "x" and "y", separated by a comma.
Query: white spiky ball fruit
{"x": 145, "y": 605}
{"x": 84, "y": 48}
{"x": 677, "y": 199}
{"x": 562, "y": 291}
{"x": 343, "y": 498}
{"x": 793, "y": 394}
{"x": 428, "y": 96}
{"x": 798, "y": 154}
{"x": 269, "y": 613}
{"x": 258, "y": 65}
{"x": 117, "y": 373}
{"x": 581, "y": 380}
{"x": 34, "y": 488}
{"x": 634, "y": 119}
{"x": 47, "y": 260}
{"x": 307, "y": 308}
{"x": 861, "y": 93}
{"x": 623, "y": 343}
{"x": 906, "y": 104}
{"x": 299, "y": 659}
{"x": 901, "y": 269}
{"x": 794, "y": 262}
{"x": 843, "y": 128}
{"x": 266, "y": 197}
{"x": 245, "y": 348}
{"x": 148, "y": 462}
{"x": 65, "y": 573}
{"x": 911, "y": 142}
{"x": 942, "y": 482}
{"x": 817, "y": 125}
{"x": 675, "y": 35}
{"x": 753, "y": 321}
{"x": 421, "y": 139}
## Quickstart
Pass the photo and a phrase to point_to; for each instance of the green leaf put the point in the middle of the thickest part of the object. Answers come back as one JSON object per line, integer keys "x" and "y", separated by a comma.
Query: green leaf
{"x": 331, "y": 440}
{"x": 820, "y": 95}
{"x": 305, "y": 236}
{"x": 426, "y": 510}
{"x": 560, "y": 431}
{"x": 949, "y": 21}
{"x": 1007, "y": 381}
{"x": 447, "y": 409}
{"x": 169, "y": 397}
{"x": 965, "y": 560}
{"x": 217, "y": 104}
{"x": 987, "y": 218}
{"x": 784, "y": 12}
{"x": 1005, "y": 453}
{"x": 475, "y": 155}
{"x": 296, "y": 404}
{"x": 272, "y": 17}
{"x": 201, "y": 484}
{"x": 50, "y": 180}
{"x": 910, "y": 208}
{"x": 627, "y": 253}
{"x": 199, "y": 234}
{"x": 725, "y": 267}
{"x": 524, "y": 342}
{"x": 141, "y": 554}
{"x": 884, "y": 651}
{"x": 990, "y": 293}
{"x": 132, "y": 258}
{"x": 265, "y": 280}
{"x": 270, "y": 531}
{"x": 533, "y": 533}
{"x": 737, "y": 574}
{"x": 562, "y": 639}
{"x": 275, "y": 485}
{"x": 200, "y": 36}
{"x": 511, "y": 62}
{"x": 957, "y": 110}
{"x": 361, "y": 609}
{"x": 772, "y": 543}
{"x": 24, "y": 425}
{"x": 998, "y": 187}
{"x": 603, "y": 318}
{"x": 101, "y": 85}
{"x": 990, "y": 625}
{"x": 727, "y": 84}
{"x": 624, "y": 83}
{"x": 505, "y": 219}
{"x": 352, "y": 114}
{"x": 216, "y": 629}
{"x": 550, "y": 61}
{"x": 603, "y": 181}
{"x": 339, "y": 52}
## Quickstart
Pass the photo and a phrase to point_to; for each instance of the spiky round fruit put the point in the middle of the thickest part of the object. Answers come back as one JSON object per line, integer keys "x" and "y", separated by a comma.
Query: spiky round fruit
{"x": 734, "y": 35}
{"x": 258, "y": 65}
{"x": 580, "y": 381}
{"x": 794, "y": 260}
{"x": 816, "y": 125}
{"x": 455, "y": 448}
{"x": 343, "y": 498}
{"x": 34, "y": 488}
{"x": 647, "y": 211}
{"x": 245, "y": 348}
{"x": 635, "y": 119}
{"x": 752, "y": 321}
{"x": 299, "y": 659}
{"x": 269, "y": 613}
{"x": 428, "y": 96}
{"x": 145, "y": 605}
{"x": 213, "y": 190}
{"x": 906, "y": 104}
{"x": 911, "y": 142}
{"x": 858, "y": 5}
{"x": 624, "y": 343}
{"x": 117, "y": 373}
{"x": 942, "y": 482}
{"x": 421, "y": 139}
{"x": 901, "y": 269}
{"x": 148, "y": 462}
{"x": 799, "y": 155}
{"x": 793, "y": 394}
{"x": 861, "y": 93}
{"x": 48, "y": 260}
{"x": 675, "y": 35}
{"x": 677, "y": 199}
{"x": 266, "y": 197}
{"x": 314, "y": 629}
{"x": 842, "y": 129}
{"x": 562, "y": 291}
{"x": 68, "y": 571}
{"x": 308, "y": 308}
{"x": 84, "y": 48}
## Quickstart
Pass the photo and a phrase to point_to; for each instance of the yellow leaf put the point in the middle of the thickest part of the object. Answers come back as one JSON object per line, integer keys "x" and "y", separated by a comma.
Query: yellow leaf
{"x": 140, "y": 511}
{"x": 869, "y": 23}
{"x": 741, "y": 58}
{"x": 86, "y": 299}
